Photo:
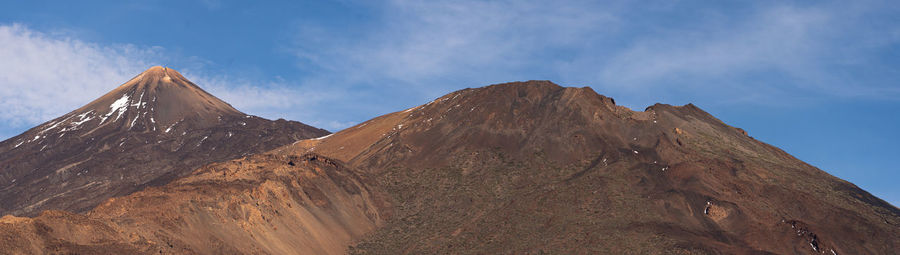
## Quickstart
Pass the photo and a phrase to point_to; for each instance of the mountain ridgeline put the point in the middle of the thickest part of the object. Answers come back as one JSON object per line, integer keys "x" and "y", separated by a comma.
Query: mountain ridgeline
{"x": 532, "y": 167}
{"x": 515, "y": 168}
{"x": 147, "y": 132}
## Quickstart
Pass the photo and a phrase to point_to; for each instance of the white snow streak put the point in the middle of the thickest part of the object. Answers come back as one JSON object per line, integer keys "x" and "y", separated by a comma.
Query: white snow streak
{"x": 172, "y": 126}
{"x": 54, "y": 125}
{"x": 82, "y": 118}
{"x": 119, "y": 106}
{"x": 140, "y": 102}
{"x": 134, "y": 121}
{"x": 201, "y": 140}
{"x": 323, "y": 137}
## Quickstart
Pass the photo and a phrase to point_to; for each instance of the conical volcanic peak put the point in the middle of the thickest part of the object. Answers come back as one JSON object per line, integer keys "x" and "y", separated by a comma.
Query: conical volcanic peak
{"x": 159, "y": 97}
{"x": 148, "y": 131}
{"x": 157, "y": 73}
{"x": 531, "y": 167}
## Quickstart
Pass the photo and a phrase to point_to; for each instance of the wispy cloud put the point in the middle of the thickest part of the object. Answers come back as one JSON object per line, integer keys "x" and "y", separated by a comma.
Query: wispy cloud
{"x": 45, "y": 75}
{"x": 419, "y": 42}
{"x": 270, "y": 99}
{"x": 413, "y": 51}
{"x": 776, "y": 50}
{"x": 778, "y": 39}
{"x": 760, "y": 52}
{"x": 407, "y": 52}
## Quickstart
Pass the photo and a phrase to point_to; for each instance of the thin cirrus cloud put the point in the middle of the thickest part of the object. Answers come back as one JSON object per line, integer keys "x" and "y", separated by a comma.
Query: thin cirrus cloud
{"x": 781, "y": 39}
{"x": 272, "y": 99}
{"x": 760, "y": 52}
{"x": 413, "y": 51}
{"x": 45, "y": 75}
{"x": 810, "y": 48}
{"x": 374, "y": 57}
{"x": 418, "y": 43}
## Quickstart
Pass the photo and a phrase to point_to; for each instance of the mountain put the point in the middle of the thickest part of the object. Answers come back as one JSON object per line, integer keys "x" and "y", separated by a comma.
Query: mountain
{"x": 520, "y": 168}
{"x": 156, "y": 127}
{"x": 532, "y": 167}
{"x": 269, "y": 203}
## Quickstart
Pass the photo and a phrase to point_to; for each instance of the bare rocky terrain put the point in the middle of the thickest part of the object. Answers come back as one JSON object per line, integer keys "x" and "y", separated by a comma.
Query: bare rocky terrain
{"x": 515, "y": 168}
{"x": 147, "y": 132}
{"x": 532, "y": 167}
{"x": 261, "y": 204}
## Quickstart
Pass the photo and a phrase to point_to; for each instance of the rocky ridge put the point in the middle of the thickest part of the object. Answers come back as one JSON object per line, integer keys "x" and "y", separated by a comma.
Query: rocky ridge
{"x": 150, "y": 130}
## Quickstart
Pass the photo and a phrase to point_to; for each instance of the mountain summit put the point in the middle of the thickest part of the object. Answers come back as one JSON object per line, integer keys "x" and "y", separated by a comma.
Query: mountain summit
{"x": 146, "y": 132}
{"x": 520, "y": 168}
{"x": 156, "y": 100}
{"x": 533, "y": 167}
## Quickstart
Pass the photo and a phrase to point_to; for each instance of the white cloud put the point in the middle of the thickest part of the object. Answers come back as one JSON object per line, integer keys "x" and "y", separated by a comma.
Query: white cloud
{"x": 777, "y": 40}
{"x": 42, "y": 76}
{"x": 416, "y": 42}
{"x": 765, "y": 52}
{"x": 45, "y": 75}
{"x": 274, "y": 99}
{"x": 412, "y": 51}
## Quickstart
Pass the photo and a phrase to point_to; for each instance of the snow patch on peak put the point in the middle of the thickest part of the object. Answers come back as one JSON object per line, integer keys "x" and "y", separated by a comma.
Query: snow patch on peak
{"x": 134, "y": 121}
{"x": 54, "y": 125}
{"x": 82, "y": 118}
{"x": 29, "y": 141}
{"x": 140, "y": 102}
{"x": 76, "y": 120}
{"x": 119, "y": 107}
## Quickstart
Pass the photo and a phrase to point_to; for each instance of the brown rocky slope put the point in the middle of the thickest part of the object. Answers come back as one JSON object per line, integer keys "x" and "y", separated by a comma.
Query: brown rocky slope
{"x": 261, "y": 204}
{"x": 537, "y": 168}
{"x": 517, "y": 168}
{"x": 154, "y": 128}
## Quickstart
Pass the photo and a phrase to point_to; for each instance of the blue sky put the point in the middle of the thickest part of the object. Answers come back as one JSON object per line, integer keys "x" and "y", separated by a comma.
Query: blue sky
{"x": 818, "y": 79}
